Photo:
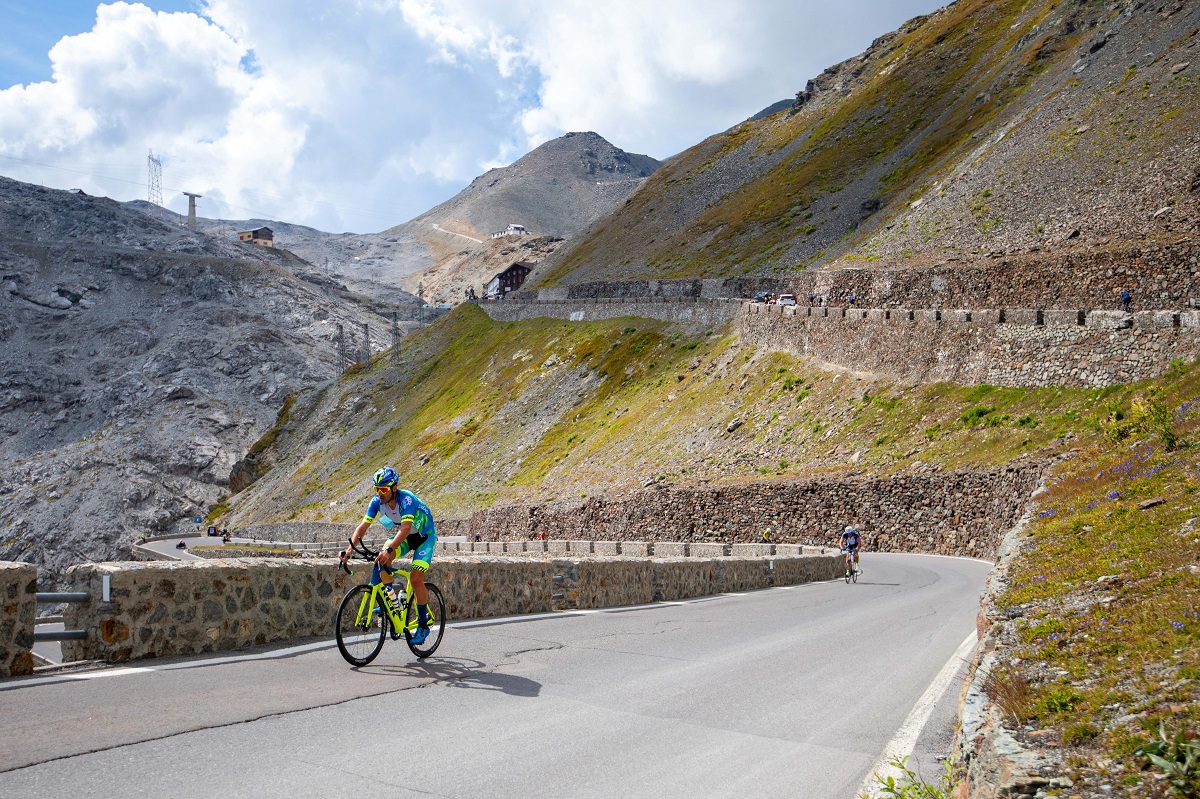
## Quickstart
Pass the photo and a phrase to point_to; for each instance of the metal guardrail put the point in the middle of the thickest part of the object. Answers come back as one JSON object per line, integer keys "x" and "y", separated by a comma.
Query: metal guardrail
{"x": 60, "y": 635}
{"x": 61, "y": 596}
{"x": 48, "y": 597}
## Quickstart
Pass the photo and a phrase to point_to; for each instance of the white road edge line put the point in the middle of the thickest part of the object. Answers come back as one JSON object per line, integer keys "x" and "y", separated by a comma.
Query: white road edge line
{"x": 905, "y": 739}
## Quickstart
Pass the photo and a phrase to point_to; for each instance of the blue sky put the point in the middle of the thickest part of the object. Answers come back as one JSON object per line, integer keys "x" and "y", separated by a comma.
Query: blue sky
{"x": 356, "y": 115}
{"x": 30, "y": 29}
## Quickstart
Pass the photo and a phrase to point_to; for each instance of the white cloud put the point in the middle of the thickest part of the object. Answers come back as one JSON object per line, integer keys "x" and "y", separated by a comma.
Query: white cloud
{"x": 360, "y": 114}
{"x": 657, "y": 77}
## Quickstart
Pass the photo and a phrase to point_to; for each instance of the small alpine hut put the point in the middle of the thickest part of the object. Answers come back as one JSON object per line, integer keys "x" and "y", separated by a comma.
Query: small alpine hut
{"x": 262, "y": 236}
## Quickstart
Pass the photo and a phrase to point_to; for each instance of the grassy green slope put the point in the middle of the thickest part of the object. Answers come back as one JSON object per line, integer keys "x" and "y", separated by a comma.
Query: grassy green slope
{"x": 479, "y": 412}
{"x": 1101, "y": 616}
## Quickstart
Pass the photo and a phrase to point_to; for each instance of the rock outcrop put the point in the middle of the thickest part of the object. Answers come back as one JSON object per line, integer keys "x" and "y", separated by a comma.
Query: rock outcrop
{"x": 140, "y": 360}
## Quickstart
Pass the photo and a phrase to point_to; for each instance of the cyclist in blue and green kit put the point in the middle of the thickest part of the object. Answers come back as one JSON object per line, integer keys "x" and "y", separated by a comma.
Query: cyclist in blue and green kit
{"x": 412, "y": 522}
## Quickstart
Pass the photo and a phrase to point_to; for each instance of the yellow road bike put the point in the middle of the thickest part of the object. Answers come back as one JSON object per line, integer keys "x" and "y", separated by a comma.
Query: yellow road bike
{"x": 368, "y": 614}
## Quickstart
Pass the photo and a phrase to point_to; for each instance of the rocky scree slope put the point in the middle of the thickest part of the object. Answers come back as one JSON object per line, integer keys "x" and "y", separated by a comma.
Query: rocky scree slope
{"x": 371, "y": 264}
{"x": 985, "y": 127}
{"x": 139, "y": 361}
{"x": 555, "y": 191}
{"x": 474, "y": 268}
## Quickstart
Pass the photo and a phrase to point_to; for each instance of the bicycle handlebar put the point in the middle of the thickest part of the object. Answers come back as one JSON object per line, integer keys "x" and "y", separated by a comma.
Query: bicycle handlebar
{"x": 366, "y": 553}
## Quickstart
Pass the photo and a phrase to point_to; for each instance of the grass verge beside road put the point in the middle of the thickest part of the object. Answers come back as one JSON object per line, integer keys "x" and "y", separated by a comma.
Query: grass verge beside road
{"x": 1102, "y": 608}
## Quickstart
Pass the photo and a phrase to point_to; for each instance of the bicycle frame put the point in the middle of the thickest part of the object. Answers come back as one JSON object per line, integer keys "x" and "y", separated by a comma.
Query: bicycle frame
{"x": 379, "y": 587}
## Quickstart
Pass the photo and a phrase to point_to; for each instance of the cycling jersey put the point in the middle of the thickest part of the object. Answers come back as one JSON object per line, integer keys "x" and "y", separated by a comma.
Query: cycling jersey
{"x": 423, "y": 538}
{"x": 850, "y": 540}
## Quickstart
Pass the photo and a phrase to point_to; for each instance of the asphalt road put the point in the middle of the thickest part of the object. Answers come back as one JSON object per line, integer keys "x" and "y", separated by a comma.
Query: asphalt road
{"x": 791, "y": 692}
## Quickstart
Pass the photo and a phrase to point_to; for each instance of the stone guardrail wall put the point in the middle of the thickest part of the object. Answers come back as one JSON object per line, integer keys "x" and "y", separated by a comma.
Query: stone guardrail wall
{"x": 18, "y": 609}
{"x": 1005, "y": 347}
{"x": 1159, "y": 276}
{"x": 159, "y": 609}
{"x": 330, "y": 537}
{"x": 708, "y": 313}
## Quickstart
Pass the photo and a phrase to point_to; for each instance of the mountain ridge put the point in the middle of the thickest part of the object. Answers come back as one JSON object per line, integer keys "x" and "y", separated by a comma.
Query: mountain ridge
{"x": 980, "y": 127}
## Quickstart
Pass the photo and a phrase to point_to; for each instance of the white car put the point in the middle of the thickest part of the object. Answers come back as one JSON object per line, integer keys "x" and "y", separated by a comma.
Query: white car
{"x": 787, "y": 299}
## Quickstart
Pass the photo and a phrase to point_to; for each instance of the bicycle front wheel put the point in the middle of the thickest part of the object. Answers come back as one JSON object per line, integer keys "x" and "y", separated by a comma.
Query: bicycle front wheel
{"x": 361, "y": 626}
{"x": 437, "y": 623}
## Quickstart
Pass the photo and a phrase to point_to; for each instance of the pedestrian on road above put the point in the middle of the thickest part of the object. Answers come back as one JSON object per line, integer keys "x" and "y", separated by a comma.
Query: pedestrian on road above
{"x": 1125, "y": 300}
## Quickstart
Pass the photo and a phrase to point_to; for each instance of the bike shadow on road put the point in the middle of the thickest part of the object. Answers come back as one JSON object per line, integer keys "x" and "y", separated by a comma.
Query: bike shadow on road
{"x": 465, "y": 673}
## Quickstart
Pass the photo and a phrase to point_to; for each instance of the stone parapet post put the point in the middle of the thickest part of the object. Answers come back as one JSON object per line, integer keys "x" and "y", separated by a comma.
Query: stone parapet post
{"x": 1022, "y": 316}
{"x": 1059, "y": 317}
{"x": 581, "y": 584}
{"x": 18, "y": 614}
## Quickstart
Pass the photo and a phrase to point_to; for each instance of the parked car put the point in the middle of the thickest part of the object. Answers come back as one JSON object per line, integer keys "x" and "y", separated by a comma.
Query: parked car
{"x": 444, "y": 306}
{"x": 764, "y": 296}
{"x": 787, "y": 299}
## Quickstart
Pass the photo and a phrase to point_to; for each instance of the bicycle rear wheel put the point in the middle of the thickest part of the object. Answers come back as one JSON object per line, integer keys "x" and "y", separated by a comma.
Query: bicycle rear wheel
{"x": 437, "y": 623}
{"x": 361, "y": 626}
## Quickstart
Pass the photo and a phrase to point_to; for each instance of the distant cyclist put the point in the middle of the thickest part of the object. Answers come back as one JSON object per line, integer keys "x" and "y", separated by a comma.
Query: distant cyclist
{"x": 851, "y": 539}
{"x": 414, "y": 532}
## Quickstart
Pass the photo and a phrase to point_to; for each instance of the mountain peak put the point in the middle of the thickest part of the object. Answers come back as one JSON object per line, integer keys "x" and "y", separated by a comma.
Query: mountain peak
{"x": 557, "y": 189}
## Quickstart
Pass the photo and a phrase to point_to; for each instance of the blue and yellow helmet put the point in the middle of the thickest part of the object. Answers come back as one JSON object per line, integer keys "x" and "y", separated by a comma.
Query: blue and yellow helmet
{"x": 386, "y": 478}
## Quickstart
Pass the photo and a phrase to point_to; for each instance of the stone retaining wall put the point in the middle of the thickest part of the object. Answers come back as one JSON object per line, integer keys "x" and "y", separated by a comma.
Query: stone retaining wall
{"x": 707, "y": 313}
{"x": 18, "y": 611}
{"x": 1159, "y": 276}
{"x": 1006, "y": 347}
{"x": 951, "y": 513}
{"x": 955, "y": 513}
{"x": 159, "y": 609}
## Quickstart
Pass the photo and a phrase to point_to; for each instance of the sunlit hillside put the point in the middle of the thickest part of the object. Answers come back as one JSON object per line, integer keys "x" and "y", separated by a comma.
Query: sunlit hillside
{"x": 987, "y": 126}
